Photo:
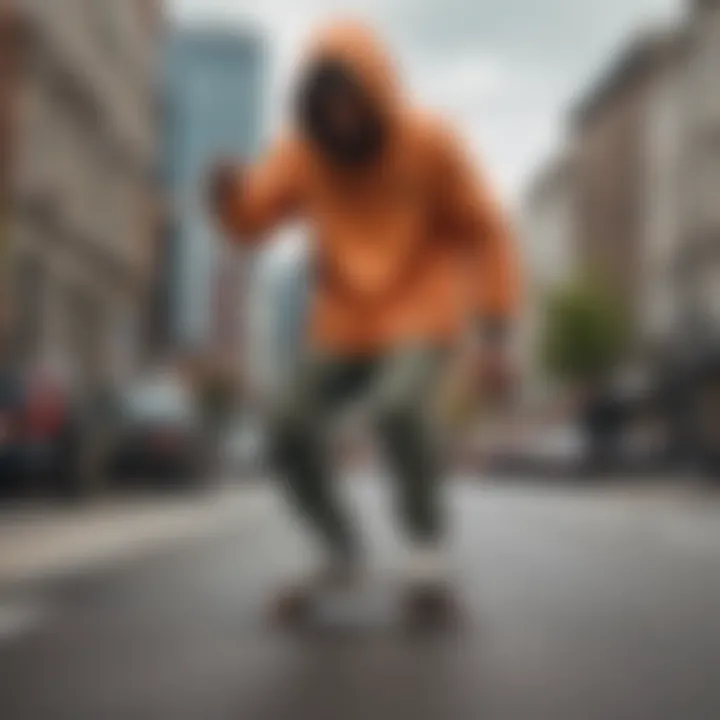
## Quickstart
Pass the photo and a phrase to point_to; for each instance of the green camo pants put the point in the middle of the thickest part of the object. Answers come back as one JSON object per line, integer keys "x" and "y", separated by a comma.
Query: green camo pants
{"x": 400, "y": 387}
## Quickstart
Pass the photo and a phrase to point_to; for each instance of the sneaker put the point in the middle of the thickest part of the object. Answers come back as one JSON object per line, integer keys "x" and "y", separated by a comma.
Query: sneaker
{"x": 297, "y": 602}
{"x": 429, "y": 597}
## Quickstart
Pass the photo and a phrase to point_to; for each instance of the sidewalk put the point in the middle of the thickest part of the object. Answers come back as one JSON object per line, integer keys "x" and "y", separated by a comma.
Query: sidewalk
{"x": 39, "y": 542}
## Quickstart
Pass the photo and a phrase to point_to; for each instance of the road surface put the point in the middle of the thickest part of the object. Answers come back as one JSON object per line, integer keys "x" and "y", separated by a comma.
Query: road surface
{"x": 581, "y": 604}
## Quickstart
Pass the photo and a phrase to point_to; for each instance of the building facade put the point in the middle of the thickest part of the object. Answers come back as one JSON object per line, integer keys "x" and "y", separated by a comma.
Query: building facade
{"x": 627, "y": 135}
{"x": 215, "y": 90}
{"x": 648, "y": 173}
{"x": 83, "y": 185}
{"x": 547, "y": 234}
{"x": 14, "y": 45}
{"x": 658, "y": 296}
{"x": 698, "y": 262}
{"x": 629, "y": 197}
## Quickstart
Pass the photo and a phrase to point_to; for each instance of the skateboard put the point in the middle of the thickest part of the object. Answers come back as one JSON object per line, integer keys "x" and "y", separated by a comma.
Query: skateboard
{"x": 369, "y": 608}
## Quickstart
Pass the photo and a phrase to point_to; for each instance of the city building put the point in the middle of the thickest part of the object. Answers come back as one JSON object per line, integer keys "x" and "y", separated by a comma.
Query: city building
{"x": 216, "y": 79}
{"x": 645, "y": 168}
{"x": 82, "y": 185}
{"x": 14, "y": 45}
{"x": 628, "y": 138}
{"x": 661, "y": 185}
{"x": 547, "y": 237}
{"x": 698, "y": 261}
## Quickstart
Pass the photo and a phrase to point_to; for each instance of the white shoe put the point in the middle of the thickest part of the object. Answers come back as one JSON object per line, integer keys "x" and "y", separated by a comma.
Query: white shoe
{"x": 335, "y": 578}
{"x": 429, "y": 595}
{"x": 427, "y": 565}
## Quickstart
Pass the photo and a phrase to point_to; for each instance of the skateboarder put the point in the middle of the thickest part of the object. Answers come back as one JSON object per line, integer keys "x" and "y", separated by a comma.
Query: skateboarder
{"x": 411, "y": 251}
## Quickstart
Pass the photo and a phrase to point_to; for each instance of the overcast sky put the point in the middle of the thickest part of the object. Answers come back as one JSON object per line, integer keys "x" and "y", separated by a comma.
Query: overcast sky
{"x": 504, "y": 70}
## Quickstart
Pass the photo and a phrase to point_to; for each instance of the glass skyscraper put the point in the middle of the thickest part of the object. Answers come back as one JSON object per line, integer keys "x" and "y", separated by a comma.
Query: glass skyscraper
{"x": 216, "y": 80}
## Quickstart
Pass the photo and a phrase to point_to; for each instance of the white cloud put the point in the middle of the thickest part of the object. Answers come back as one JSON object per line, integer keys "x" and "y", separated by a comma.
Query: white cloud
{"x": 452, "y": 82}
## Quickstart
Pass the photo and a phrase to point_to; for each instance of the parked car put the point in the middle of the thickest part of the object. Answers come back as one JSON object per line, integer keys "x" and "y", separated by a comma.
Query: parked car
{"x": 41, "y": 439}
{"x": 11, "y": 403}
{"x": 159, "y": 436}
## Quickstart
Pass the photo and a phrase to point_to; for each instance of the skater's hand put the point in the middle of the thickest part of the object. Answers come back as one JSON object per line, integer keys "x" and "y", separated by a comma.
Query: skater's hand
{"x": 221, "y": 184}
{"x": 480, "y": 377}
{"x": 497, "y": 376}
{"x": 496, "y": 373}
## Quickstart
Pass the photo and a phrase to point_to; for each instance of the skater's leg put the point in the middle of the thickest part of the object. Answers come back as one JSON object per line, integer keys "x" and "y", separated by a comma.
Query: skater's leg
{"x": 404, "y": 394}
{"x": 300, "y": 449}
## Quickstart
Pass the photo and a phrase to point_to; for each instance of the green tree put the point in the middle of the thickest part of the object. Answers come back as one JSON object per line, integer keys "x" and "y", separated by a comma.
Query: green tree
{"x": 586, "y": 332}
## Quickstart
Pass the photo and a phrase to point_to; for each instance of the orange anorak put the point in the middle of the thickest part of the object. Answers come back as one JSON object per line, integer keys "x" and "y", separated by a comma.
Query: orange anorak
{"x": 408, "y": 248}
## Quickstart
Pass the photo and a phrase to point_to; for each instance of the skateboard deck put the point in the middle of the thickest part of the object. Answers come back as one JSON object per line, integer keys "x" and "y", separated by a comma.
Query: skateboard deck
{"x": 367, "y": 608}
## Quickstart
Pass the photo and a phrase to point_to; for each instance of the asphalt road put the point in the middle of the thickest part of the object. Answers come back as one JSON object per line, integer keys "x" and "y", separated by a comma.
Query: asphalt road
{"x": 580, "y": 605}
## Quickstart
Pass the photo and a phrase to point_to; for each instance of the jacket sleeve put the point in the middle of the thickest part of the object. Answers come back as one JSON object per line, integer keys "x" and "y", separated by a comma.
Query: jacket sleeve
{"x": 475, "y": 218}
{"x": 263, "y": 194}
